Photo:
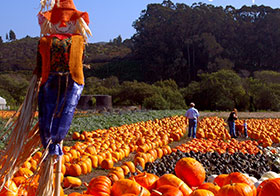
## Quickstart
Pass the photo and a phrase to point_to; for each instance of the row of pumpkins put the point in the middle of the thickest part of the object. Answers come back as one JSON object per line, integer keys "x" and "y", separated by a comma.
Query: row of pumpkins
{"x": 188, "y": 181}
{"x": 103, "y": 148}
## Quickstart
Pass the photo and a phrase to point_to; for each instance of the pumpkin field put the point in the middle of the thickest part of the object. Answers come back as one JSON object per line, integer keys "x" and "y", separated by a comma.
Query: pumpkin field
{"x": 147, "y": 153}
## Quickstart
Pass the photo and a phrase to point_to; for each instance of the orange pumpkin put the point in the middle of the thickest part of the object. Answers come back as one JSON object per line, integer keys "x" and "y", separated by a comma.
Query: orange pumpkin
{"x": 237, "y": 177}
{"x": 145, "y": 179}
{"x": 75, "y": 170}
{"x": 99, "y": 186}
{"x": 166, "y": 190}
{"x": 170, "y": 179}
{"x": 125, "y": 186}
{"x": 240, "y": 189}
{"x": 271, "y": 187}
{"x": 220, "y": 179}
{"x": 70, "y": 181}
{"x": 210, "y": 187}
{"x": 107, "y": 164}
{"x": 201, "y": 192}
{"x": 190, "y": 171}
{"x": 261, "y": 186}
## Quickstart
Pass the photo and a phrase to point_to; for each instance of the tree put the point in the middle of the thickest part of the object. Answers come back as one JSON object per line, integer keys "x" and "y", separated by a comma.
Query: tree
{"x": 118, "y": 40}
{"x": 1, "y": 40}
{"x": 7, "y": 37}
{"x": 12, "y": 35}
{"x": 220, "y": 90}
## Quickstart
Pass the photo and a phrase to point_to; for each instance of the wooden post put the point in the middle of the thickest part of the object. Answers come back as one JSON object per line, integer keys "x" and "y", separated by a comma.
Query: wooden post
{"x": 57, "y": 174}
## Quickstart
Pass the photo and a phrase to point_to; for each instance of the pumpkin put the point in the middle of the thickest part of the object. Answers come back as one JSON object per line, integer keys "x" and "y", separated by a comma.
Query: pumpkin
{"x": 125, "y": 169}
{"x": 130, "y": 165}
{"x": 84, "y": 167}
{"x": 125, "y": 186}
{"x": 240, "y": 189}
{"x": 140, "y": 161}
{"x": 145, "y": 179}
{"x": 166, "y": 190}
{"x": 107, "y": 164}
{"x": 237, "y": 177}
{"x": 201, "y": 192}
{"x": 271, "y": 187}
{"x": 75, "y": 170}
{"x": 190, "y": 171}
{"x": 70, "y": 181}
{"x": 210, "y": 187}
{"x": 220, "y": 179}
{"x": 270, "y": 174}
{"x": 99, "y": 186}
{"x": 170, "y": 179}
{"x": 94, "y": 160}
{"x": 260, "y": 186}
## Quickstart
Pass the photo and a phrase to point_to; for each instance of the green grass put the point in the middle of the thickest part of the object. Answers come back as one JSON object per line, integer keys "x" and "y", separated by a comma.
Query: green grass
{"x": 105, "y": 121}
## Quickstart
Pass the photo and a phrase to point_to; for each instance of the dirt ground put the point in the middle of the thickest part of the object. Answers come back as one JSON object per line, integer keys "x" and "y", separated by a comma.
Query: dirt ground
{"x": 241, "y": 115}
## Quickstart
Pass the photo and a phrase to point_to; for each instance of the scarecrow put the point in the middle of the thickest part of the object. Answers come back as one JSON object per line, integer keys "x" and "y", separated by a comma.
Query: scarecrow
{"x": 56, "y": 86}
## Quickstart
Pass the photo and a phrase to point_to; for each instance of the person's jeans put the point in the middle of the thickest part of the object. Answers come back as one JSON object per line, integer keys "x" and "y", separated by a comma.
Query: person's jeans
{"x": 231, "y": 125}
{"x": 245, "y": 132}
{"x": 192, "y": 128}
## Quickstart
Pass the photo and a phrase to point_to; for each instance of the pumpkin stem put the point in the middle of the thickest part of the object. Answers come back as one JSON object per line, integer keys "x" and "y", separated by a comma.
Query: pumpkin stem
{"x": 138, "y": 171}
{"x": 141, "y": 191}
{"x": 86, "y": 184}
{"x": 159, "y": 193}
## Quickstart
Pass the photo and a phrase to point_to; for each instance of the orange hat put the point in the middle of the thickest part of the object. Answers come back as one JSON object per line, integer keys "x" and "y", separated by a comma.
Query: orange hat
{"x": 64, "y": 11}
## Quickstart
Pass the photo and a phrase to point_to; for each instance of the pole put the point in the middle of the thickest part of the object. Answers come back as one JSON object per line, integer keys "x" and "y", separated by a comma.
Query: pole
{"x": 57, "y": 174}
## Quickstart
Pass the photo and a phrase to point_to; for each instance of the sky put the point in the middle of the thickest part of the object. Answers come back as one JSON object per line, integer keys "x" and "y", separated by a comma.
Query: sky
{"x": 108, "y": 18}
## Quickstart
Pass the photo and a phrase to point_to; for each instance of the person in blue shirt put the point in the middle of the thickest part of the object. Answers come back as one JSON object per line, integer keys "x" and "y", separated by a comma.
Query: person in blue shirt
{"x": 245, "y": 129}
{"x": 192, "y": 116}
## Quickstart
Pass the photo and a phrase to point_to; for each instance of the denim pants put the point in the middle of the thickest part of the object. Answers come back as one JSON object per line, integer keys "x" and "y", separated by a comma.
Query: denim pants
{"x": 245, "y": 132}
{"x": 56, "y": 109}
{"x": 192, "y": 128}
{"x": 231, "y": 125}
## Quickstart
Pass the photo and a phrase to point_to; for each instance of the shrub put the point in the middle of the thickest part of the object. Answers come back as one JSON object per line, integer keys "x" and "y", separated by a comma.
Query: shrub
{"x": 156, "y": 102}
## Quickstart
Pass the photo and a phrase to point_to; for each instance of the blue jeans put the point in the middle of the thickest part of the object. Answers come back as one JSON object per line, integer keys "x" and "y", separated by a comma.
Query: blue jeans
{"x": 231, "y": 125}
{"x": 245, "y": 132}
{"x": 53, "y": 125}
{"x": 192, "y": 128}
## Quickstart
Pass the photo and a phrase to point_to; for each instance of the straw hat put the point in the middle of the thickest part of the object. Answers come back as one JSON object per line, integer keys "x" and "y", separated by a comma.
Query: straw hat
{"x": 62, "y": 11}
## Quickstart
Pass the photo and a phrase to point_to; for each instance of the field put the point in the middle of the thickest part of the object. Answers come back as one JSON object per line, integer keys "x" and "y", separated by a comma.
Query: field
{"x": 92, "y": 126}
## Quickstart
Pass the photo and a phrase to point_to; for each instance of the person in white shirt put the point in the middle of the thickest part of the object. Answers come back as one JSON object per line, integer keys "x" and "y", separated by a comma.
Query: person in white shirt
{"x": 192, "y": 115}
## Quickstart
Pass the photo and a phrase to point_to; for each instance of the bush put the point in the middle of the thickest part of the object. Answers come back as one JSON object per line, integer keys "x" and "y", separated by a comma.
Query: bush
{"x": 156, "y": 102}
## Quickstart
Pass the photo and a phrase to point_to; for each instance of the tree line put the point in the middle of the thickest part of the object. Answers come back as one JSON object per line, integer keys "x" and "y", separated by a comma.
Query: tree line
{"x": 192, "y": 46}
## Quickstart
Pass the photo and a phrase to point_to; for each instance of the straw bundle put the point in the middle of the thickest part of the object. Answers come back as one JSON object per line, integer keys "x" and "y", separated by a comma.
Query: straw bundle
{"x": 46, "y": 186}
{"x": 24, "y": 139}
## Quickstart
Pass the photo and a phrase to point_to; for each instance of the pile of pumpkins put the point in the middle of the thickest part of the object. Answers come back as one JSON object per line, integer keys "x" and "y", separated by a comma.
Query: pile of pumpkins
{"x": 188, "y": 180}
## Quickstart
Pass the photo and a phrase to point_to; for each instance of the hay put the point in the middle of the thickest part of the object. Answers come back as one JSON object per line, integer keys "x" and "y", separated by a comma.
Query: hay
{"x": 46, "y": 187}
{"x": 24, "y": 139}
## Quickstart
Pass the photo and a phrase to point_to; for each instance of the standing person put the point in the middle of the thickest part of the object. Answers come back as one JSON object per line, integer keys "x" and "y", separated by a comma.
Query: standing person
{"x": 192, "y": 115}
{"x": 245, "y": 129}
{"x": 231, "y": 122}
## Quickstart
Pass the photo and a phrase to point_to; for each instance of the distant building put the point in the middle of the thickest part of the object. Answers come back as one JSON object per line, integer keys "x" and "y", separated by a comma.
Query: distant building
{"x": 3, "y": 104}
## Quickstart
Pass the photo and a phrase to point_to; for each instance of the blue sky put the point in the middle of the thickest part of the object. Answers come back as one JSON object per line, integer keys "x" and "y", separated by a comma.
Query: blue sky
{"x": 108, "y": 18}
